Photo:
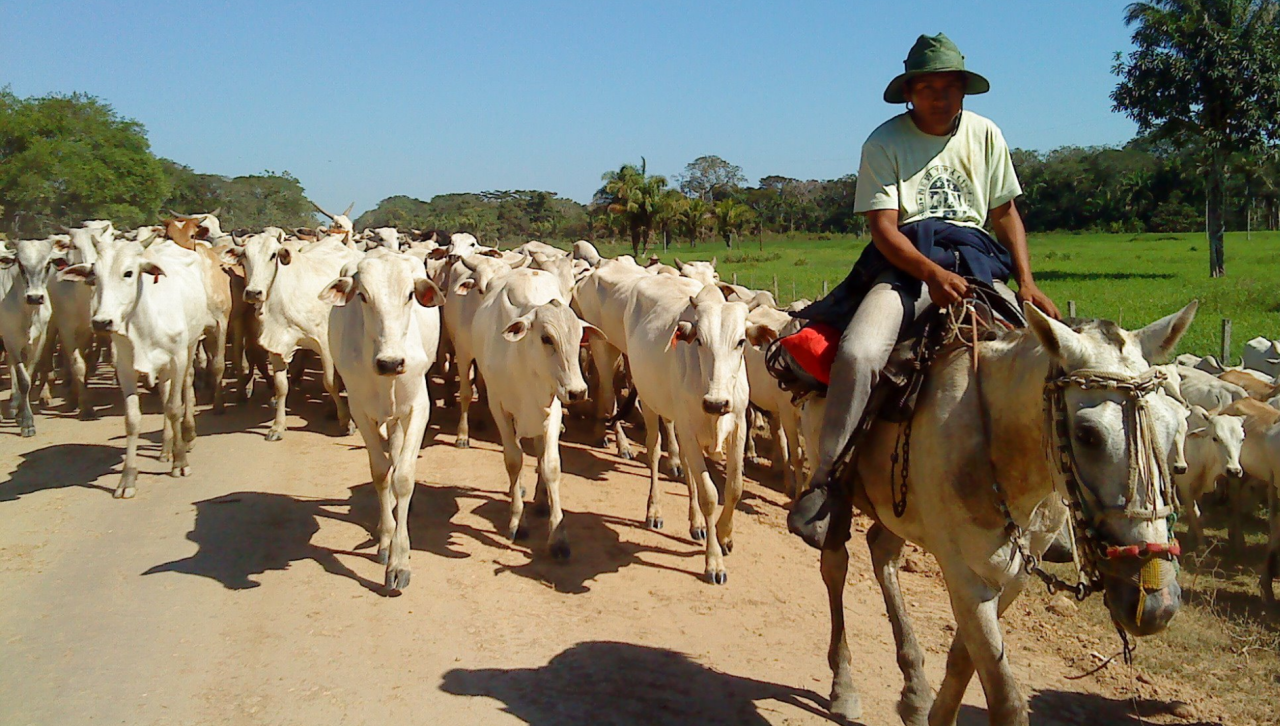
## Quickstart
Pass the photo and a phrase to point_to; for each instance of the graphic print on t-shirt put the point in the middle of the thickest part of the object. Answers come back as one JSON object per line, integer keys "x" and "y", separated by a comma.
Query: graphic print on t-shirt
{"x": 944, "y": 192}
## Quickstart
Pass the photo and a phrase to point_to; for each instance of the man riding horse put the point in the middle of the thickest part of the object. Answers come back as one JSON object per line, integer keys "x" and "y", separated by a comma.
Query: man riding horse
{"x": 929, "y": 180}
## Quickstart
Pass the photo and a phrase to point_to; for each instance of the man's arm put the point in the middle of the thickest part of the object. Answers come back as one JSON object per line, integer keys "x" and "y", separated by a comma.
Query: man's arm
{"x": 945, "y": 287}
{"x": 1007, "y": 224}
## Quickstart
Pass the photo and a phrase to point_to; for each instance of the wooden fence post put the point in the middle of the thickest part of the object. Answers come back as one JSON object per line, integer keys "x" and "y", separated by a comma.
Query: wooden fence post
{"x": 824, "y": 288}
{"x": 1071, "y": 308}
{"x": 735, "y": 278}
{"x": 775, "y": 287}
{"x": 1226, "y": 342}
{"x": 793, "y": 291}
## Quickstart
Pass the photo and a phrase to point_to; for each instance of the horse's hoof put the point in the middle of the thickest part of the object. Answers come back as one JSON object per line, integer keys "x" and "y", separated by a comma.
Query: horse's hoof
{"x": 397, "y": 579}
{"x": 848, "y": 706}
{"x": 541, "y": 509}
{"x": 273, "y": 435}
{"x": 698, "y": 534}
{"x": 560, "y": 551}
{"x": 462, "y": 443}
{"x": 653, "y": 522}
{"x": 717, "y": 577}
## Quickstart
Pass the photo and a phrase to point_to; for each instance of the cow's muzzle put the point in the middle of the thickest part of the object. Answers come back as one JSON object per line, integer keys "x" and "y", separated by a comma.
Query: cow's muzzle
{"x": 103, "y": 325}
{"x": 389, "y": 366}
{"x": 253, "y": 296}
{"x": 715, "y": 406}
{"x": 1235, "y": 472}
{"x": 576, "y": 394}
{"x": 35, "y": 298}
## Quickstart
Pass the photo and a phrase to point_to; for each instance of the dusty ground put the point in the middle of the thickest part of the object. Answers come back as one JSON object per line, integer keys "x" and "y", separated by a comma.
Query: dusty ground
{"x": 247, "y": 594}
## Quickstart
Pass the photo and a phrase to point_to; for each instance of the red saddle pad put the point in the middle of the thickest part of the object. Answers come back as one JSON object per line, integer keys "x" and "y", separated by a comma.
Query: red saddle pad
{"x": 814, "y": 348}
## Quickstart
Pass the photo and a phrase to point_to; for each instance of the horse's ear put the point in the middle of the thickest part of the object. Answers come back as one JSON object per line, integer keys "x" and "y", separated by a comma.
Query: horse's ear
{"x": 1159, "y": 338}
{"x": 1059, "y": 341}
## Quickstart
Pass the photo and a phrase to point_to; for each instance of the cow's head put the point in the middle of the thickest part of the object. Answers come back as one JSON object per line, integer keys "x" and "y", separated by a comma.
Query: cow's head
{"x": 261, "y": 255}
{"x": 716, "y": 330}
{"x": 32, "y": 259}
{"x": 118, "y": 277}
{"x": 700, "y": 270}
{"x": 1223, "y": 433}
{"x": 386, "y": 286}
{"x": 549, "y": 337}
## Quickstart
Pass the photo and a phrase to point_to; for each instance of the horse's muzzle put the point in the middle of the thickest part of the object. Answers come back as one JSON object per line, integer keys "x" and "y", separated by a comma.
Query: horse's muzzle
{"x": 1145, "y": 600}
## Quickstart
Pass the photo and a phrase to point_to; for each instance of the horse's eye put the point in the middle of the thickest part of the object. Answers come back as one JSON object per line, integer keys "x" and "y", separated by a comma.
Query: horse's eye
{"x": 1088, "y": 435}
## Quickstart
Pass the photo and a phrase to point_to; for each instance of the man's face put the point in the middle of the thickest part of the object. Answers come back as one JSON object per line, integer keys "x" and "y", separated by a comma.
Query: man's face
{"x": 937, "y": 97}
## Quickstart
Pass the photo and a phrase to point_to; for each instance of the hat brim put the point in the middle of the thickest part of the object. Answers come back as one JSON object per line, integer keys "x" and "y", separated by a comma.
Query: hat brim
{"x": 975, "y": 85}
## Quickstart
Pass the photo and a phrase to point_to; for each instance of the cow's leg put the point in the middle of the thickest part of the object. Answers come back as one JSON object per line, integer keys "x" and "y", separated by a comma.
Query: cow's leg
{"x": 653, "y": 512}
{"x": 165, "y": 384}
{"x": 128, "y": 380}
{"x": 335, "y": 392}
{"x": 218, "y": 364}
{"x": 946, "y": 705}
{"x": 700, "y": 479}
{"x": 463, "y": 439}
{"x": 975, "y": 605}
{"x": 42, "y": 371}
{"x": 673, "y": 449}
{"x": 547, "y": 448}
{"x": 794, "y": 472}
{"x": 380, "y": 474}
{"x": 401, "y": 489}
{"x": 604, "y": 361}
{"x": 781, "y": 459}
{"x": 173, "y": 413}
{"x": 80, "y": 379}
{"x": 1271, "y": 569}
{"x": 753, "y": 416}
{"x": 280, "y": 375}
{"x": 20, "y": 398}
{"x": 732, "y": 485}
{"x": 189, "y": 411}
{"x": 1236, "y": 499}
{"x": 845, "y": 701}
{"x": 513, "y": 458}
{"x": 886, "y": 552}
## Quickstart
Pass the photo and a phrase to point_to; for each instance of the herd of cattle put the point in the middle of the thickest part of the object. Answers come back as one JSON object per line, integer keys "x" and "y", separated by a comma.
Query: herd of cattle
{"x": 178, "y": 301}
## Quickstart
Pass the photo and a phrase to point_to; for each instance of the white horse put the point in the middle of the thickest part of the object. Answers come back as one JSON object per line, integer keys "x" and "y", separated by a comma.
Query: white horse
{"x": 986, "y": 496}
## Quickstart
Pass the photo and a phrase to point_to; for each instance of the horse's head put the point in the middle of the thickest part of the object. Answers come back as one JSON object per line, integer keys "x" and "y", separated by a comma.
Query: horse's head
{"x": 1113, "y": 429}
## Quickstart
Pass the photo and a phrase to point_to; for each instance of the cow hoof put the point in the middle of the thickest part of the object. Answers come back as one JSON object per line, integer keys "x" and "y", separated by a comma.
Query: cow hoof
{"x": 653, "y": 522}
{"x": 848, "y": 707}
{"x": 521, "y": 532}
{"x": 717, "y": 577}
{"x": 698, "y": 534}
{"x": 560, "y": 551}
{"x": 626, "y": 454}
{"x": 178, "y": 471}
{"x": 541, "y": 509}
{"x": 677, "y": 472}
{"x": 125, "y": 492}
{"x": 350, "y": 428}
{"x": 383, "y": 556}
{"x": 462, "y": 443}
{"x": 727, "y": 546}
{"x": 166, "y": 456}
{"x": 273, "y": 435}
{"x": 397, "y": 579}
{"x": 28, "y": 431}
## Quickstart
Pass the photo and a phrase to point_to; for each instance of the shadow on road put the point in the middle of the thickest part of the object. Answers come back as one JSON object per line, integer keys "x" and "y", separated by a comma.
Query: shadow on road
{"x": 1064, "y": 708}
{"x": 60, "y": 466}
{"x": 621, "y": 683}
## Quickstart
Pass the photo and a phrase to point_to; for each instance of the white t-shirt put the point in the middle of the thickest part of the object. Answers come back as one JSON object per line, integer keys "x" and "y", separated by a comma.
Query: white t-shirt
{"x": 958, "y": 178}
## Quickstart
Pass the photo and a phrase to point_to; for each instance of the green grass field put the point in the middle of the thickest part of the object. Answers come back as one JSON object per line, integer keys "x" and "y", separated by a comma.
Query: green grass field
{"x": 1132, "y": 279}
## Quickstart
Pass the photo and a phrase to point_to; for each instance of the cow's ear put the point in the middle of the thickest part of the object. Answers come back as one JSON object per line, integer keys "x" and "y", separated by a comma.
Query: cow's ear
{"x": 729, "y": 291}
{"x": 7, "y": 258}
{"x": 59, "y": 262}
{"x": 589, "y": 330}
{"x": 466, "y": 285}
{"x": 517, "y": 329}
{"x": 1198, "y": 432}
{"x": 685, "y": 331}
{"x": 339, "y": 292}
{"x": 228, "y": 254}
{"x": 63, "y": 245}
{"x": 78, "y": 273}
{"x": 438, "y": 253}
{"x": 285, "y": 255}
{"x": 147, "y": 267}
{"x": 761, "y": 334}
{"x": 427, "y": 293}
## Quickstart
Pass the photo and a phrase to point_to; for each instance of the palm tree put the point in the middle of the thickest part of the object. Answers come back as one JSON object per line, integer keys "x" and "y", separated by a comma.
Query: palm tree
{"x": 699, "y": 218}
{"x": 671, "y": 212}
{"x": 633, "y": 194}
{"x": 732, "y": 217}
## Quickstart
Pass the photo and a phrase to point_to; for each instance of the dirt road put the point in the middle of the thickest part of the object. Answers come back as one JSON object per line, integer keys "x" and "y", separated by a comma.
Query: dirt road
{"x": 248, "y": 594}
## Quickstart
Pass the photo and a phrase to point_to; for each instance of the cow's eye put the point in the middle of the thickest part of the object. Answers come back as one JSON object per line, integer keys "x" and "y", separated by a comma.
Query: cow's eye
{"x": 742, "y": 343}
{"x": 362, "y": 297}
{"x": 128, "y": 274}
{"x": 410, "y": 295}
{"x": 546, "y": 340}
{"x": 273, "y": 256}
{"x": 1217, "y": 440}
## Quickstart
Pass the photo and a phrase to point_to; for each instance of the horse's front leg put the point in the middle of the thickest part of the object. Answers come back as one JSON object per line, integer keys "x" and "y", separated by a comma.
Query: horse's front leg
{"x": 977, "y": 608}
{"x": 917, "y": 697}
{"x": 845, "y": 701}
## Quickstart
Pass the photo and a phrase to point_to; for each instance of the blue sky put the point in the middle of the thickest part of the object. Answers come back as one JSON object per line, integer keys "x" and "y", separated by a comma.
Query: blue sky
{"x": 364, "y": 100}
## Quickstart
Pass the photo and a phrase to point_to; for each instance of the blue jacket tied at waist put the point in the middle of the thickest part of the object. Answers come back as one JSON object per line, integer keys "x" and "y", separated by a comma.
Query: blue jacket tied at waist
{"x": 967, "y": 251}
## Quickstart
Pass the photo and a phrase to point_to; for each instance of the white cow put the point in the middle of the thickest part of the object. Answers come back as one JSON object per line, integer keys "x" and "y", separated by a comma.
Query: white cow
{"x": 25, "y": 312}
{"x": 1260, "y": 459}
{"x": 587, "y": 252}
{"x": 700, "y": 270}
{"x": 384, "y": 329}
{"x": 342, "y": 227}
{"x": 1212, "y": 450}
{"x": 1198, "y": 388}
{"x": 685, "y": 344}
{"x": 1262, "y": 355}
{"x": 286, "y": 284}
{"x": 768, "y": 396}
{"x": 155, "y": 304}
{"x": 526, "y": 346}
{"x": 72, "y": 308}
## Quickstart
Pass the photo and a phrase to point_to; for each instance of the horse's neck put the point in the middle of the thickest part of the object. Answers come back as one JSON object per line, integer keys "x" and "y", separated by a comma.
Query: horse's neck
{"x": 1012, "y": 374}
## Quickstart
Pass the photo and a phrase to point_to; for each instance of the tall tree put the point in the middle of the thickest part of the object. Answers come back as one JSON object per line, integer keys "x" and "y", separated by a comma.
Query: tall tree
{"x": 1205, "y": 70}
{"x": 636, "y": 196}
{"x": 67, "y": 158}
{"x": 711, "y": 178}
{"x": 732, "y": 217}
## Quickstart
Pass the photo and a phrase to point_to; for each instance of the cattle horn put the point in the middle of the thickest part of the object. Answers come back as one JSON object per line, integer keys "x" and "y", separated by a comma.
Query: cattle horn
{"x": 215, "y": 212}
{"x": 320, "y": 209}
{"x": 350, "y": 207}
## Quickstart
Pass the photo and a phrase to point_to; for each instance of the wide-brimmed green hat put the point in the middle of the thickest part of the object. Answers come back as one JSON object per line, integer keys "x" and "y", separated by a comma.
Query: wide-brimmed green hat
{"x": 934, "y": 54}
